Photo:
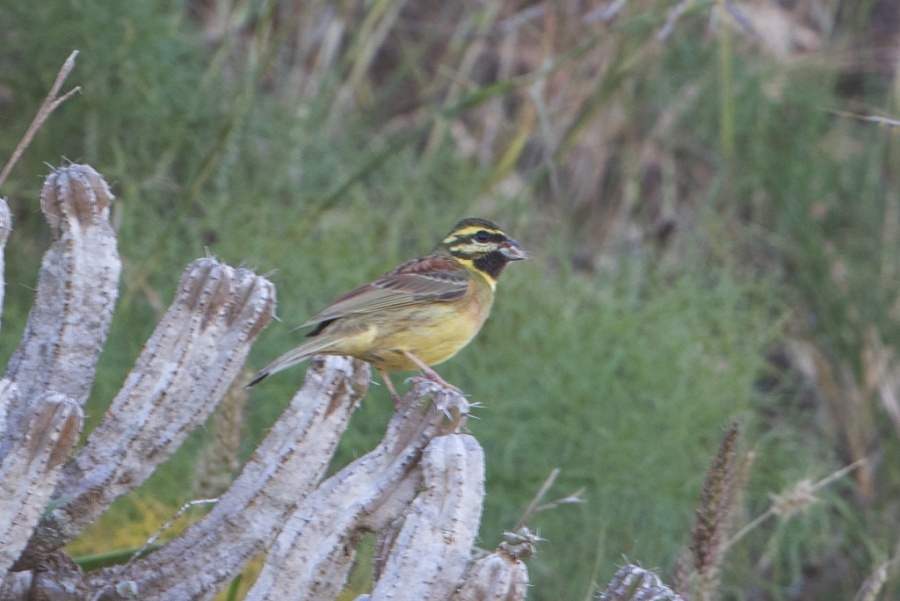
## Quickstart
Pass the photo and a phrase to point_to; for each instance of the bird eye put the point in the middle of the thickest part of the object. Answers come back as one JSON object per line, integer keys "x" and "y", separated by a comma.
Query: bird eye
{"x": 482, "y": 236}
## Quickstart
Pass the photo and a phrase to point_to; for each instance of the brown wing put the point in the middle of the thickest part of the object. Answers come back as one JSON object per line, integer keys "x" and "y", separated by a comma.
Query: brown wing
{"x": 429, "y": 279}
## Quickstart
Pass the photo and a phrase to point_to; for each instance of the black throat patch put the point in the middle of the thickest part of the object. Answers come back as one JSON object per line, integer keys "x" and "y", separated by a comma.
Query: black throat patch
{"x": 491, "y": 263}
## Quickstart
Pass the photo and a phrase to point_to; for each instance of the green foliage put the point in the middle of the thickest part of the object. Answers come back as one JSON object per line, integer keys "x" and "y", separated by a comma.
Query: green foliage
{"x": 622, "y": 369}
{"x": 631, "y": 376}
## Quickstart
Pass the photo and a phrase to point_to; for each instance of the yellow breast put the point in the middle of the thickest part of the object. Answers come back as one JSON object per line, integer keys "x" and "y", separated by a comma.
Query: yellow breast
{"x": 432, "y": 332}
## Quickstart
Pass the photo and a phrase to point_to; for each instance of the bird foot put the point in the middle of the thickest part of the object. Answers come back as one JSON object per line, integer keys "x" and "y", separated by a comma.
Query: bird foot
{"x": 435, "y": 383}
{"x": 430, "y": 375}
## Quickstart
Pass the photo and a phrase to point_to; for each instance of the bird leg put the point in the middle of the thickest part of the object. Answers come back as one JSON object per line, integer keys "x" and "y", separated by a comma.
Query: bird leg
{"x": 390, "y": 387}
{"x": 430, "y": 374}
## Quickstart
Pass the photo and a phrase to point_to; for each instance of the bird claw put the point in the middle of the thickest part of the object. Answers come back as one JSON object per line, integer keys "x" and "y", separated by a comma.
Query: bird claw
{"x": 427, "y": 384}
{"x": 452, "y": 409}
{"x": 434, "y": 385}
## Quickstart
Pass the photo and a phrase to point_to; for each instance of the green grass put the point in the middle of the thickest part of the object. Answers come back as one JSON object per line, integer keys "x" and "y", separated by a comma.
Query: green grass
{"x": 615, "y": 356}
{"x": 632, "y": 377}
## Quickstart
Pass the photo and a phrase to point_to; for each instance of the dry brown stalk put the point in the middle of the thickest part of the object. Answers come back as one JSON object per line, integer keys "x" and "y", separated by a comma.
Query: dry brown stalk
{"x": 714, "y": 516}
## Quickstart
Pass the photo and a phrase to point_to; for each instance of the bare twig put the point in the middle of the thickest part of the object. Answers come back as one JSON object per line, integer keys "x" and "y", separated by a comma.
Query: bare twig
{"x": 530, "y": 510}
{"x": 51, "y": 102}
{"x": 535, "y": 507}
{"x": 575, "y": 497}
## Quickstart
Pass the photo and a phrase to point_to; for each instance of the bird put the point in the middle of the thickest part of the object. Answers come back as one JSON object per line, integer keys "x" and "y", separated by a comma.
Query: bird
{"x": 416, "y": 315}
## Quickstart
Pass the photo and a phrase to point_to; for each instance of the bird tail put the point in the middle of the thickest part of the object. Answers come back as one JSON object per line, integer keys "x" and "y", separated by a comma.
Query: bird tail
{"x": 293, "y": 357}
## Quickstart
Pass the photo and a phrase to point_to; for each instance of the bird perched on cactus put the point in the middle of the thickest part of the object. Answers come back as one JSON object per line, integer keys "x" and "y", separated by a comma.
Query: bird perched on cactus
{"x": 417, "y": 315}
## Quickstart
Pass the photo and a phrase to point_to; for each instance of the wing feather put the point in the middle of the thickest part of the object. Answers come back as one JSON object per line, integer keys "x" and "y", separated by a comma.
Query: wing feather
{"x": 429, "y": 279}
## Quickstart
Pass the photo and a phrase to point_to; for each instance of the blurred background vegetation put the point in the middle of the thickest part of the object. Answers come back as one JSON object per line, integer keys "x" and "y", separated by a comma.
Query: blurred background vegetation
{"x": 712, "y": 212}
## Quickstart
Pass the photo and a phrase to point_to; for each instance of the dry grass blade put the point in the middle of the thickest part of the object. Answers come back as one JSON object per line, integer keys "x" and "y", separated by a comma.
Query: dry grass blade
{"x": 673, "y": 17}
{"x": 48, "y": 106}
{"x": 169, "y": 523}
{"x": 793, "y": 501}
{"x": 873, "y": 585}
{"x": 868, "y": 118}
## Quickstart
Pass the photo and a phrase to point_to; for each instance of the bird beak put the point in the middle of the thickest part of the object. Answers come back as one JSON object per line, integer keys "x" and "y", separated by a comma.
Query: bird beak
{"x": 512, "y": 250}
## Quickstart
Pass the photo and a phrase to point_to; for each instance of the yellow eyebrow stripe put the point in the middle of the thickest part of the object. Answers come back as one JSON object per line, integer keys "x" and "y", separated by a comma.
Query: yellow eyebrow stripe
{"x": 468, "y": 231}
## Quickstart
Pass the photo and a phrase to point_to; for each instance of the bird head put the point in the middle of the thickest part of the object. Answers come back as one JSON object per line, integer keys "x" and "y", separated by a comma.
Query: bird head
{"x": 481, "y": 245}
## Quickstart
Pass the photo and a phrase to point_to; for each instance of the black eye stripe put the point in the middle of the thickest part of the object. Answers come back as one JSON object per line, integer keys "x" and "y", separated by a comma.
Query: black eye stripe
{"x": 482, "y": 237}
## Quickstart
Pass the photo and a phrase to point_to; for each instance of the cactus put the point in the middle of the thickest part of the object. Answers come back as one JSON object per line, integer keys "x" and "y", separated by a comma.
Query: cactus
{"x": 634, "y": 583}
{"x": 420, "y": 490}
